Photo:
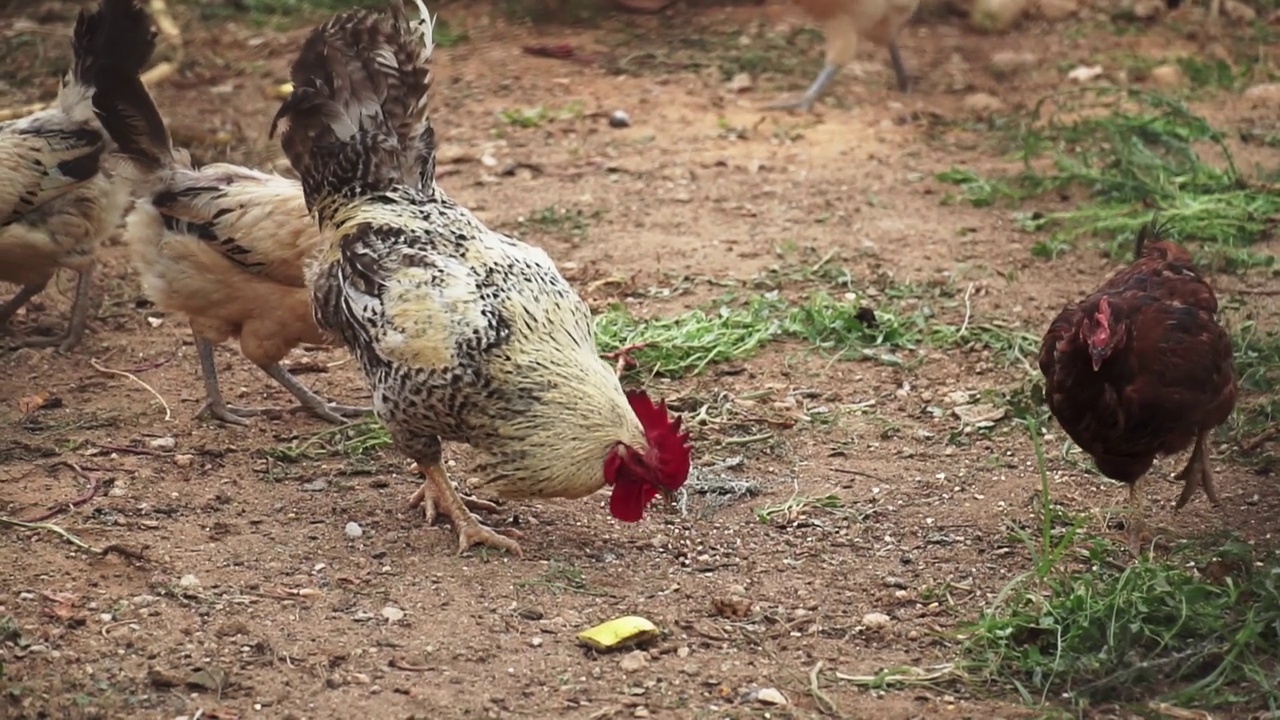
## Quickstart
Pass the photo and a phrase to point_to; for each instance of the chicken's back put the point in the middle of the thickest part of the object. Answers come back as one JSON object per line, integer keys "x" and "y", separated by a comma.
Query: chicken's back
{"x": 225, "y": 246}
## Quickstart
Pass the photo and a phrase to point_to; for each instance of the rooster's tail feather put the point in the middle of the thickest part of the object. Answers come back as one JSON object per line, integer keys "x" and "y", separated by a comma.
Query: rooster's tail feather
{"x": 121, "y": 101}
{"x": 357, "y": 120}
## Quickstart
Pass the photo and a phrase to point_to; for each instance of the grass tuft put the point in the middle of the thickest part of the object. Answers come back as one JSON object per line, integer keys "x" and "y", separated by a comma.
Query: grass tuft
{"x": 1130, "y": 153}
{"x": 1199, "y": 627}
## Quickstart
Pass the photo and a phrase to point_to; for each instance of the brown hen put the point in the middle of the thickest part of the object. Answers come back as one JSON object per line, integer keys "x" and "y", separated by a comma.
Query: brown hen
{"x": 1141, "y": 368}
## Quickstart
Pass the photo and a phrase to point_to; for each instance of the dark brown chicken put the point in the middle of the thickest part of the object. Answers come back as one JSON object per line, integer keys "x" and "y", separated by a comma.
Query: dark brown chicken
{"x": 1141, "y": 368}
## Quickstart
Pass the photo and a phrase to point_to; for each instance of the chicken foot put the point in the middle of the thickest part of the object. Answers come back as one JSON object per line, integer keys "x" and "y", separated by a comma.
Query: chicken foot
{"x": 1197, "y": 475}
{"x": 314, "y": 403}
{"x": 438, "y": 496}
{"x": 79, "y": 319}
{"x": 828, "y": 73}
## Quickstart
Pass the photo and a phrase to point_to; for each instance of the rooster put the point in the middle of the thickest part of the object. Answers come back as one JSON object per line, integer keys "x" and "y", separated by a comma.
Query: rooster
{"x": 56, "y": 204}
{"x": 223, "y": 245}
{"x": 464, "y": 334}
{"x": 1141, "y": 368}
{"x": 844, "y": 23}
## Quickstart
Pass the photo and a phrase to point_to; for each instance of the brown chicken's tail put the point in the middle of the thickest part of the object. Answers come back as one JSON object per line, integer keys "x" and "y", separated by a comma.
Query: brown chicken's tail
{"x": 357, "y": 121}
{"x": 121, "y": 101}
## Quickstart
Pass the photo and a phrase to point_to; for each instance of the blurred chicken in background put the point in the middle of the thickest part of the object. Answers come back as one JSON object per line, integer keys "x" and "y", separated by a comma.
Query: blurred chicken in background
{"x": 223, "y": 245}
{"x": 56, "y": 205}
{"x": 844, "y": 23}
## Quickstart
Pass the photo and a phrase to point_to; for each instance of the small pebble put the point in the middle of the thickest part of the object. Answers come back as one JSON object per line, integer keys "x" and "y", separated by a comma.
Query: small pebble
{"x": 619, "y": 119}
{"x": 392, "y": 613}
{"x": 189, "y": 581}
{"x": 771, "y": 696}
{"x": 26, "y": 596}
{"x": 353, "y": 530}
{"x": 163, "y": 444}
{"x": 536, "y": 642}
{"x": 184, "y": 461}
{"x": 633, "y": 661}
{"x": 875, "y": 620}
{"x": 315, "y": 486}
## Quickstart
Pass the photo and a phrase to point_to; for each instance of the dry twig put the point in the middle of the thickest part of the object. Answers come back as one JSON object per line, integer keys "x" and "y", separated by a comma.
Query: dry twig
{"x": 168, "y": 414}
{"x": 74, "y": 540}
{"x": 94, "y": 486}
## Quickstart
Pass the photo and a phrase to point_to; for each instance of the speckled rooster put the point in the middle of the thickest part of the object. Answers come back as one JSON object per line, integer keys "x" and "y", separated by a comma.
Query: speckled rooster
{"x": 464, "y": 334}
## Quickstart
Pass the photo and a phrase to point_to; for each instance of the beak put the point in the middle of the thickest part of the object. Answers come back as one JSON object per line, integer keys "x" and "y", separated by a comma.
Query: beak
{"x": 1097, "y": 357}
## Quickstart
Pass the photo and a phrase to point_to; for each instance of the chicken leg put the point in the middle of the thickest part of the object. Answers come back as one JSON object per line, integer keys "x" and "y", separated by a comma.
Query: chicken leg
{"x": 324, "y": 410}
{"x": 1197, "y": 475}
{"x": 841, "y": 39}
{"x": 75, "y": 326}
{"x": 1135, "y": 528}
{"x": 214, "y": 405}
{"x": 437, "y": 495}
{"x": 16, "y": 302}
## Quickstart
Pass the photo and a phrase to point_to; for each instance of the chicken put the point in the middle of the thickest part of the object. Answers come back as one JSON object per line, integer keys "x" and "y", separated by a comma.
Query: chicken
{"x": 464, "y": 334}
{"x": 56, "y": 204}
{"x": 1141, "y": 368}
{"x": 223, "y": 245}
{"x": 844, "y": 23}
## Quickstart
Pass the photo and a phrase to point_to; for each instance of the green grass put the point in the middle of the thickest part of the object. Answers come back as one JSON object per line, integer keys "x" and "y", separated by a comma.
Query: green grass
{"x": 686, "y": 344}
{"x": 1086, "y": 625}
{"x": 1128, "y": 154}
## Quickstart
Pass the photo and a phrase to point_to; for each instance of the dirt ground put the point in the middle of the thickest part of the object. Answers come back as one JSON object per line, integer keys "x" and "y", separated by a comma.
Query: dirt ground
{"x": 256, "y": 603}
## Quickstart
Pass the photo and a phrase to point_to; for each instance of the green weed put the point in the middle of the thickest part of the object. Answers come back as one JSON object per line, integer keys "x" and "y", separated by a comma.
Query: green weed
{"x": 1131, "y": 154}
{"x": 1198, "y": 628}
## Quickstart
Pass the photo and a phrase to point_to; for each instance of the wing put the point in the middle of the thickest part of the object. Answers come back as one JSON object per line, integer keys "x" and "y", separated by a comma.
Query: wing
{"x": 445, "y": 293}
{"x": 1182, "y": 371}
{"x": 43, "y": 158}
{"x": 256, "y": 220}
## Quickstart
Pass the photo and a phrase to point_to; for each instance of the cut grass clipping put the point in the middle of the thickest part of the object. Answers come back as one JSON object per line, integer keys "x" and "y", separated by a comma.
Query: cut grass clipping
{"x": 688, "y": 343}
{"x": 1197, "y": 628}
{"x": 1131, "y": 153}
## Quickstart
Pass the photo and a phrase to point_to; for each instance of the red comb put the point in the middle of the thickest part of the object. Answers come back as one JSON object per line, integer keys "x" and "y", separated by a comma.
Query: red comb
{"x": 664, "y": 436}
{"x": 670, "y": 454}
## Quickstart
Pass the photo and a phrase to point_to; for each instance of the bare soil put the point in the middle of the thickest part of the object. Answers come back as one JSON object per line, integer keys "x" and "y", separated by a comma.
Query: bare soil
{"x": 255, "y": 603}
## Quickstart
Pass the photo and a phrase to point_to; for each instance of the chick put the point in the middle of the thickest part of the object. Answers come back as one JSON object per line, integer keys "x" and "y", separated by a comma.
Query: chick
{"x": 843, "y": 23}
{"x": 56, "y": 204}
{"x": 223, "y": 245}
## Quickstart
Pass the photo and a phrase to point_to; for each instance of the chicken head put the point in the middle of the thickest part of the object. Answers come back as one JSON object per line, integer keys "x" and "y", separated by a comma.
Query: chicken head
{"x": 637, "y": 475}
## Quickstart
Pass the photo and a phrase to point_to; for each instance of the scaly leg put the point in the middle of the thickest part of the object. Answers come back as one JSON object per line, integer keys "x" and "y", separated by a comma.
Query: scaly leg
{"x": 899, "y": 70}
{"x": 1136, "y": 527}
{"x": 17, "y": 301}
{"x": 806, "y": 101}
{"x": 437, "y": 494}
{"x": 623, "y": 357}
{"x": 77, "y": 323}
{"x": 1197, "y": 475}
{"x": 214, "y": 405}
{"x": 312, "y": 402}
